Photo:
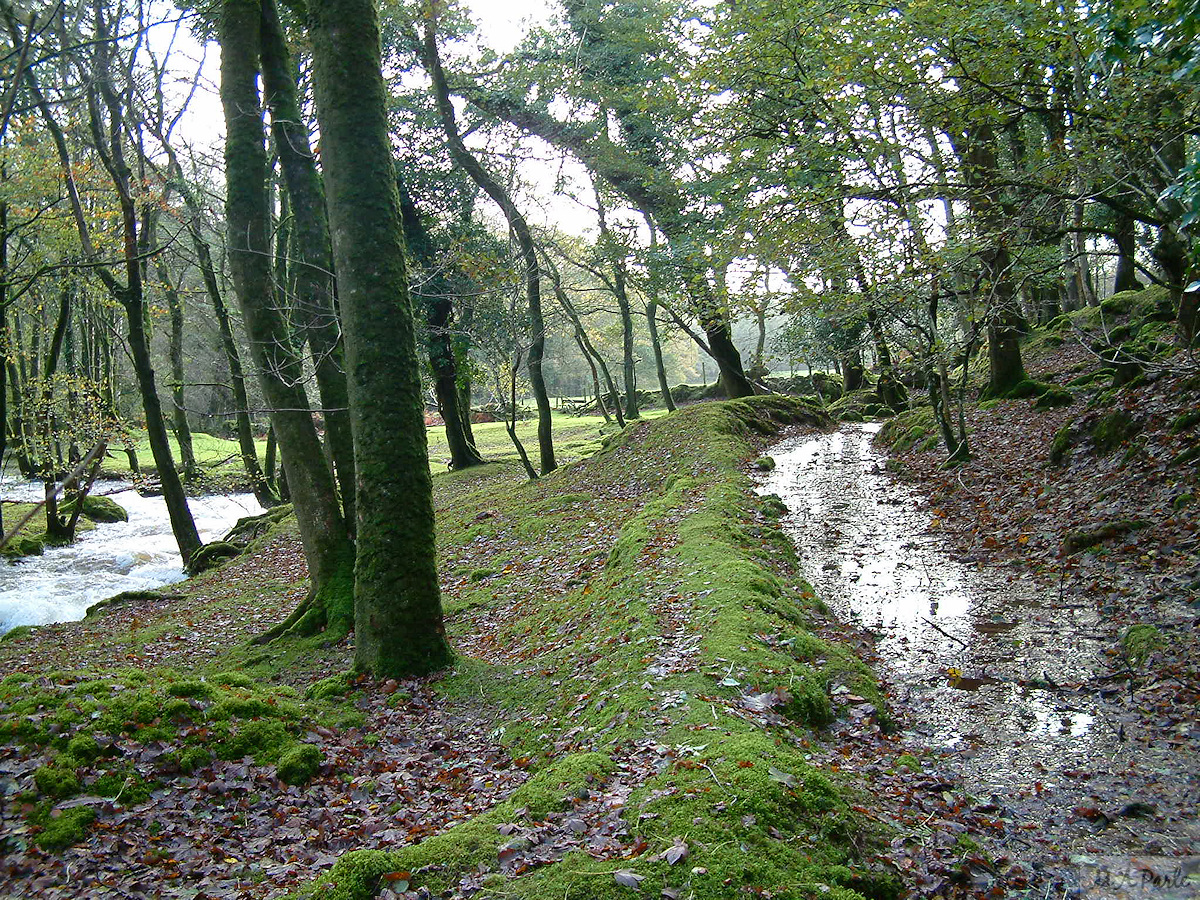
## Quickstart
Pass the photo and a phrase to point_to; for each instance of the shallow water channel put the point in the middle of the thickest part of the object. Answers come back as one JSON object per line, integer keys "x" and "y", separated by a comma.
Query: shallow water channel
{"x": 113, "y": 557}
{"x": 1002, "y": 679}
{"x": 964, "y": 648}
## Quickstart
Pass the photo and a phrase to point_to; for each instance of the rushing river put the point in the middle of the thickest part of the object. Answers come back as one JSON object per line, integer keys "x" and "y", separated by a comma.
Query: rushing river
{"x": 139, "y": 554}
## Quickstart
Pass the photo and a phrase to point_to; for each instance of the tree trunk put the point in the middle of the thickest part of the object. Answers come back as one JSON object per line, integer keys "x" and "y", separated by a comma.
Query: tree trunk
{"x": 323, "y": 532}
{"x": 311, "y": 267}
{"x": 263, "y": 489}
{"x": 398, "y": 611}
{"x": 179, "y": 417}
{"x": 439, "y": 315}
{"x": 629, "y": 362}
{"x": 889, "y": 388}
{"x": 587, "y": 358}
{"x": 656, "y": 346}
{"x": 1125, "y": 237}
{"x": 520, "y": 228}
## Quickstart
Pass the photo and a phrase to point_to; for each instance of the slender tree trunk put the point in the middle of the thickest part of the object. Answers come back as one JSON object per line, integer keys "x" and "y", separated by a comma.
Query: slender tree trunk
{"x": 656, "y": 347}
{"x": 520, "y": 228}
{"x": 439, "y": 315}
{"x": 587, "y": 357}
{"x": 398, "y": 612}
{"x": 629, "y": 363}
{"x": 1125, "y": 237}
{"x": 179, "y": 417}
{"x": 263, "y": 490}
{"x": 312, "y": 268}
{"x": 461, "y": 342}
{"x": 327, "y": 546}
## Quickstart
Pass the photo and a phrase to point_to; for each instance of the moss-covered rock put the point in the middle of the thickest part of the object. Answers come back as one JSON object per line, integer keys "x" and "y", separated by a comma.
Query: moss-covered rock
{"x": 25, "y": 546}
{"x": 1054, "y": 397}
{"x": 1112, "y": 429}
{"x": 1083, "y": 538}
{"x": 98, "y": 509}
{"x": 213, "y": 554}
{"x": 1139, "y": 641}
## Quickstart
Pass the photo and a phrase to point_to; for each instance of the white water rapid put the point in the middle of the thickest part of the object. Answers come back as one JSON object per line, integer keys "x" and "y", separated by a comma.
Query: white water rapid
{"x": 136, "y": 555}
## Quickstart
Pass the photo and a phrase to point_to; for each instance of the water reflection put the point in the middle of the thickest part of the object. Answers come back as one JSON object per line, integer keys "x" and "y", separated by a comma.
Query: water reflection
{"x": 953, "y": 643}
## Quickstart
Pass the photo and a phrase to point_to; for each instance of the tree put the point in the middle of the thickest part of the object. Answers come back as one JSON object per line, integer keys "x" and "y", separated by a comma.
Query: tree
{"x": 327, "y": 547}
{"x": 398, "y": 612}
{"x": 520, "y": 228}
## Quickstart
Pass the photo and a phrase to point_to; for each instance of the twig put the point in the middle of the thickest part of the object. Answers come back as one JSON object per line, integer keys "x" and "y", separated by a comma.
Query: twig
{"x": 944, "y": 631}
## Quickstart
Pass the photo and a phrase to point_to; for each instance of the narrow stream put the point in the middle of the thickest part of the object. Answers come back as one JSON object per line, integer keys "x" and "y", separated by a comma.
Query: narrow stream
{"x": 1000, "y": 677}
{"x": 959, "y": 646}
{"x": 122, "y": 556}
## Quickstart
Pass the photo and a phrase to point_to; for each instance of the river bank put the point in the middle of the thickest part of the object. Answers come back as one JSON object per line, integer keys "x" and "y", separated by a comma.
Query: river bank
{"x": 1044, "y": 731}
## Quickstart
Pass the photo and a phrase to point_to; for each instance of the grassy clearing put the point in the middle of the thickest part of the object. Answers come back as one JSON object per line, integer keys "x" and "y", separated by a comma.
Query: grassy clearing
{"x": 220, "y": 460}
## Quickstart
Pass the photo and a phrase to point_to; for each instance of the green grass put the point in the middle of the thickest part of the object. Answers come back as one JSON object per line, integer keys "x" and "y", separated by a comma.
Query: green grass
{"x": 690, "y": 548}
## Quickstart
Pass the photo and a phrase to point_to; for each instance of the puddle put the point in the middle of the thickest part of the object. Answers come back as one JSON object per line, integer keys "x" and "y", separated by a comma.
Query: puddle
{"x": 1004, "y": 682}
{"x": 963, "y": 647}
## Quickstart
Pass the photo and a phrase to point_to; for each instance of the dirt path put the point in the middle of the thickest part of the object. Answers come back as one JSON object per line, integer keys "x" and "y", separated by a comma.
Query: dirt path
{"x": 1047, "y": 768}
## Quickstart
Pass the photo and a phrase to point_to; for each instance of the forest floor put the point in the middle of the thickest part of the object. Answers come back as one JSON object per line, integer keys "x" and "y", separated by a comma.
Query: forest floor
{"x": 649, "y": 699}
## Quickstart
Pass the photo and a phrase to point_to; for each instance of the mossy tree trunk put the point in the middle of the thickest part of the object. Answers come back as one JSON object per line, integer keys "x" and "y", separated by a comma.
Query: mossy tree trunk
{"x": 311, "y": 267}
{"x": 1006, "y": 369}
{"x": 327, "y": 545}
{"x": 516, "y": 221}
{"x": 398, "y": 612}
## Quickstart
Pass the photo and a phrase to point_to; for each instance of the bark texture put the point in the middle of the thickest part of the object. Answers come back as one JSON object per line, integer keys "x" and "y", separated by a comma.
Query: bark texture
{"x": 398, "y": 611}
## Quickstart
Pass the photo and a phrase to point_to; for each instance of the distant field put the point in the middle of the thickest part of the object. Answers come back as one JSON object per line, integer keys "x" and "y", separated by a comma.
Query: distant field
{"x": 574, "y": 438}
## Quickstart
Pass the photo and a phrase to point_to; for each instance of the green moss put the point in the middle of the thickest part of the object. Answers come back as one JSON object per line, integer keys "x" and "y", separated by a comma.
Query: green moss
{"x": 1185, "y": 421}
{"x": 266, "y": 740}
{"x": 1139, "y": 641}
{"x": 98, "y": 509}
{"x": 1054, "y": 397}
{"x": 908, "y": 761}
{"x": 298, "y": 764}
{"x": 26, "y": 546}
{"x": 55, "y": 781}
{"x": 1112, "y": 429}
{"x": 1083, "y": 538}
{"x": 61, "y": 828}
{"x": 193, "y": 758}
{"x": 233, "y": 679}
{"x": 764, "y": 464}
{"x": 199, "y": 690}
{"x": 20, "y": 633}
{"x": 83, "y": 747}
{"x": 213, "y": 554}
{"x": 330, "y": 687}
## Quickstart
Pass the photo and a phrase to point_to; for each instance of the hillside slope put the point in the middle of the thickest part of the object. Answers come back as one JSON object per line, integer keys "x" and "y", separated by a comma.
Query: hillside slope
{"x": 636, "y": 688}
